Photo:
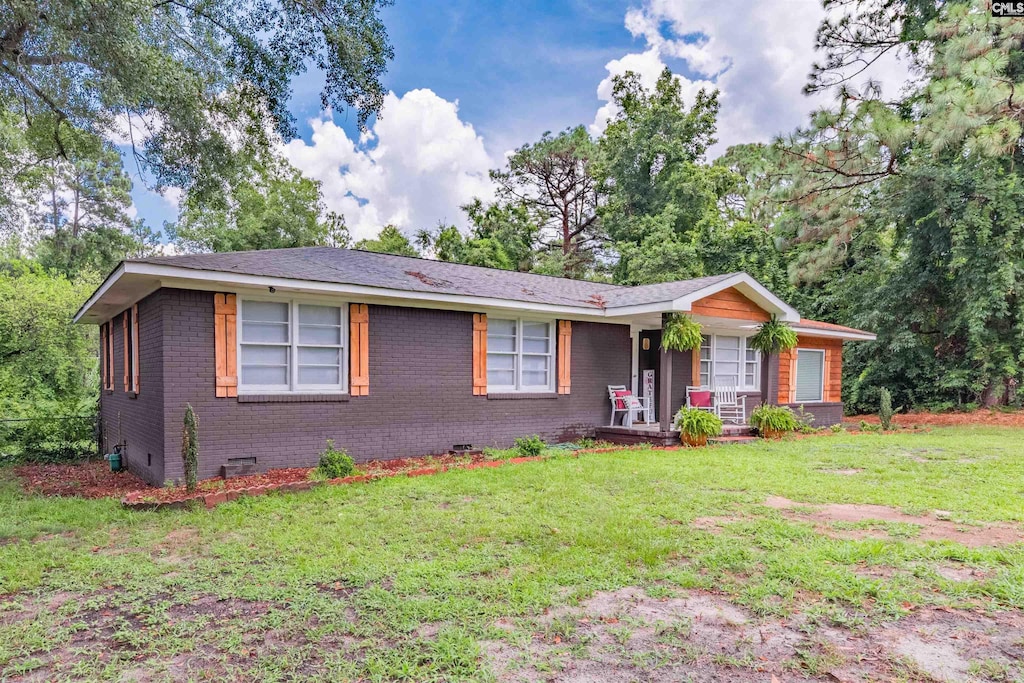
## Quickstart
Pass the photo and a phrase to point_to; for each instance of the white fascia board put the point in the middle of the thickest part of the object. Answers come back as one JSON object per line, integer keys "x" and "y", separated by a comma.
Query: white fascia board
{"x": 98, "y": 294}
{"x": 747, "y": 285}
{"x": 209, "y": 279}
{"x": 834, "y": 334}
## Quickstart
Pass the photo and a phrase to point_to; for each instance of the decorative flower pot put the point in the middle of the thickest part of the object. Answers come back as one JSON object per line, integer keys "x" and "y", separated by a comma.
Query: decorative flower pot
{"x": 772, "y": 433}
{"x": 694, "y": 440}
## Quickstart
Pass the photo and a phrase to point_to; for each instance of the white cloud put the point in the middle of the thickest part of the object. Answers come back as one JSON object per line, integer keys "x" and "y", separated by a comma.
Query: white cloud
{"x": 135, "y": 129}
{"x": 415, "y": 167}
{"x": 757, "y": 54}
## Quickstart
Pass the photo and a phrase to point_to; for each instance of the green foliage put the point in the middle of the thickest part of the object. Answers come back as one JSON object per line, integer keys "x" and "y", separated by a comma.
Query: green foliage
{"x": 836, "y": 428}
{"x": 767, "y": 417}
{"x": 268, "y": 205}
{"x": 885, "y": 411}
{"x": 48, "y": 365}
{"x": 391, "y": 240}
{"x": 695, "y": 422}
{"x": 773, "y": 336}
{"x": 196, "y": 81}
{"x": 334, "y": 463}
{"x": 190, "y": 447}
{"x": 681, "y": 333}
{"x": 529, "y": 445}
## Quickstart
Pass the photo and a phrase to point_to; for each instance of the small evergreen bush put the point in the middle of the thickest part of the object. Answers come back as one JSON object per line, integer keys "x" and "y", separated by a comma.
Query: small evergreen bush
{"x": 335, "y": 463}
{"x": 190, "y": 448}
{"x": 529, "y": 445}
{"x": 885, "y": 411}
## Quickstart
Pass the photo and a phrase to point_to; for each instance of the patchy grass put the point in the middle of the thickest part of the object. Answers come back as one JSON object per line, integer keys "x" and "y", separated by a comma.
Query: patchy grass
{"x": 589, "y": 564}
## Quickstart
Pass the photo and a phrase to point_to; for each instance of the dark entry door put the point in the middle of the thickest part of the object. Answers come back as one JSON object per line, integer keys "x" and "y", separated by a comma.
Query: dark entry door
{"x": 650, "y": 359}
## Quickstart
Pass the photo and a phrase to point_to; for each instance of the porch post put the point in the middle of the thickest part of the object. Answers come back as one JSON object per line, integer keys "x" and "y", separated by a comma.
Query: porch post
{"x": 665, "y": 385}
{"x": 634, "y": 334}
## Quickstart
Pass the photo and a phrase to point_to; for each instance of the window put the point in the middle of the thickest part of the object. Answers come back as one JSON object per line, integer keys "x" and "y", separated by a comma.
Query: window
{"x": 810, "y": 374}
{"x": 292, "y": 346}
{"x": 519, "y": 355}
{"x": 726, "y": 359}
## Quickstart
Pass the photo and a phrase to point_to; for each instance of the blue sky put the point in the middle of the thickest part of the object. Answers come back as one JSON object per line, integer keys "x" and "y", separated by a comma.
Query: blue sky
{"x": 472, "y": 80}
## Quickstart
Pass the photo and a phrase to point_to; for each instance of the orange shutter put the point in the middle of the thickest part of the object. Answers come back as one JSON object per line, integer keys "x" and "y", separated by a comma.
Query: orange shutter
{"x": 479, "y": 354}
{"x": 103, "y": 355}
{"x": 695, "y": 367}
{"x": 110, "y": 355}
{"x": 124, "y": 351}
{"x": 225, "y": 317}
{"x": 135, "y": 347}
{"x": 359, "y": 340}
{"x": 787, "y": 376}
{"x": 564, "y": 356}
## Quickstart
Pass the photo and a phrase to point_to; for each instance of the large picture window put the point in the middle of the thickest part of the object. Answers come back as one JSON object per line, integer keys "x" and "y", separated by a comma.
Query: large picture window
{"x": 292, "y": 346}
{"x": 810, "y": 374}
{"x": 520, "y": 355}
{"x": 727, "y": 359}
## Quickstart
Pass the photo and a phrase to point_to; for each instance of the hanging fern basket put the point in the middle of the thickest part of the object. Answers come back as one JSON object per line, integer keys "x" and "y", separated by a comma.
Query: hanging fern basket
{"x": 681, "y": 333}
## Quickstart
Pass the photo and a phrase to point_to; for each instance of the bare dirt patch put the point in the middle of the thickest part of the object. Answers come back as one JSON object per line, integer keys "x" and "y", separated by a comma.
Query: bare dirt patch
{"x": 848, "y": 472}
{"x": 627, "y": 635}
{"x": 931, "y": 529}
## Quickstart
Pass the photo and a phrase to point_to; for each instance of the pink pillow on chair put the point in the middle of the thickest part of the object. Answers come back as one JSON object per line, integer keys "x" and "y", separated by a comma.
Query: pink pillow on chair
{"x": 700, "y": 399}
{"x": 619, "y": 403}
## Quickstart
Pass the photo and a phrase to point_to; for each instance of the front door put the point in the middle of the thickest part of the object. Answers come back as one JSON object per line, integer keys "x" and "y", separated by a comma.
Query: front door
{"x": 650, "y": 359}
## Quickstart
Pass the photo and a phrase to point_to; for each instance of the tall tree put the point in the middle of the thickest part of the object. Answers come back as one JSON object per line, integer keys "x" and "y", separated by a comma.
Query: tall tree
{"x": 502, "y": 236}
{"x": 390, "y": 240}
{"x": 553, "y": 180}
{"x": 197, "y": 77}
{"x": 271, "y": 206}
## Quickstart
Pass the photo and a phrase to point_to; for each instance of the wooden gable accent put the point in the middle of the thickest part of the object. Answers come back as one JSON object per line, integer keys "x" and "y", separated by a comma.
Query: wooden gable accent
{"x": 359, "y": 342}
{"x": 479, "y": 354}
{"x": 833, "y": 348}
{"x": 729, "y": 303}
{"x": 225, "y": 326}
{"x": 564, "y": 356}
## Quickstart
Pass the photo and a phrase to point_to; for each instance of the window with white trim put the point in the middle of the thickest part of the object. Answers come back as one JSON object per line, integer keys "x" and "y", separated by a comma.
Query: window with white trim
{"x": 291, "y": 346}
{"x": 520, "y": 355}
{"x": 728, "y": 359}
{"x": 810, "y": 375}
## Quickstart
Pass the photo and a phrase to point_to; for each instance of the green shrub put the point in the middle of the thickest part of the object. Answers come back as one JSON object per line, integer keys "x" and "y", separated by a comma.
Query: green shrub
{"x": 767, "y": 417}
{"x": 697, "y": 423}
{"x": 681, "y": 333}
{"x": 837, "y": 428}
{"x": 335, "y": 463}
{"x": 804, "y": 421}
{"x": 190, "y": 448}
{"x": 868, "y": 427}
{"x": 885, "y": 411}
{"x": 530, "y": 445}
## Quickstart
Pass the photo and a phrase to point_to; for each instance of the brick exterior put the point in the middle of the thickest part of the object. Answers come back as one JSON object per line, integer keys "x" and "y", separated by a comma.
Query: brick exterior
{"x": 137, "y": 421}
{"x": 825, "y": 414}
{"x": 421, "y": 395}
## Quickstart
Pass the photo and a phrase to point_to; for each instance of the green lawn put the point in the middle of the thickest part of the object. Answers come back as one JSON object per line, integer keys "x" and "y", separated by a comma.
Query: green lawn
{"x": 428, "y": 578}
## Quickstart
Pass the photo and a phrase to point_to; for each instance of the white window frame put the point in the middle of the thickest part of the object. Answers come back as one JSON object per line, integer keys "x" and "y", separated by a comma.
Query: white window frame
{"x": 709, "y": 362}
{"x": 293, "y": 386}
{"x": 796, "y": 376}
{"x": 518, "y": 388}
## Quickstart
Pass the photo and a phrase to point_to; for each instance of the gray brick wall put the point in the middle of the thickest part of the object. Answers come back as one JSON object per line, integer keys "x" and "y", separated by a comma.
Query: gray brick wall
{"x": 825, "y": 414}
{"x": 421, "y": 399}
{"x": 137, "y": 420}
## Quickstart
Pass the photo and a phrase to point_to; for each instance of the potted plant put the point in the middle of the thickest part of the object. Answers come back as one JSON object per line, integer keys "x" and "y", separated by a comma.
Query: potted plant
{"x": 773, "y": 421}
{"x": 681, "y": 333}
{"x": 695, "y": 426}
{"x": 773, "y": 336}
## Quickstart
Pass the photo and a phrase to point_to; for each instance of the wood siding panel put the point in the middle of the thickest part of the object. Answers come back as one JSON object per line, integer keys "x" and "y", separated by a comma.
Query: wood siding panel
{"x": 729, "y": 303}
{"x": 564, "y": 356}
{"x": 833, "y": 369}
{"x": 225, "y": 326}
{"x": 479, "y": 354}
{"x": 359, "y": 341}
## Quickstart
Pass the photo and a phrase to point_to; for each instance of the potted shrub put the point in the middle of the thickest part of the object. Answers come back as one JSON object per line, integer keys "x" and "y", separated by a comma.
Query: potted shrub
{"x": 773, "y": 421}
{"x": 695, "y": 426}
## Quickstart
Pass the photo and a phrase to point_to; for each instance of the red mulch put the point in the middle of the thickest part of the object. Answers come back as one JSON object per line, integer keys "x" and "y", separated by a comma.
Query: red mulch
{"x": 993, "y": 418}
{"x": 87, "y": 480}
{"x": 402, "y": 464}
{"x": 269, "y": 478}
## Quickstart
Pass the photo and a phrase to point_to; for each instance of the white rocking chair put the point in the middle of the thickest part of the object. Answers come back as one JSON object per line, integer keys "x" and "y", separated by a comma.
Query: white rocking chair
{"x": 729, "y": 405}
{"x": 629, "y": 405}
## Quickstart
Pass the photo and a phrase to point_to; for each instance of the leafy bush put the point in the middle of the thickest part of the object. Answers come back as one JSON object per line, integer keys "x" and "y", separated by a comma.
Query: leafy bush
{"x": 868, "y": 427}
{"x": 837, "y": 428}
{"x": 190, "y": 448}
{"x": 335, "y": 463}
{"x": 698, "y": 423}
{"x": 885, "y": 411}
{"x": 769, "y": 418}
{"x": 681, "y": 333}
{"x": 530, "y": 445}
{"x": 804, "y": 421}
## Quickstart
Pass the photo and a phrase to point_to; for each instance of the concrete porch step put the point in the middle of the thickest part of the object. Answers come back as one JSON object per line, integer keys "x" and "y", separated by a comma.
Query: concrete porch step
{"x": 729, "y": 429}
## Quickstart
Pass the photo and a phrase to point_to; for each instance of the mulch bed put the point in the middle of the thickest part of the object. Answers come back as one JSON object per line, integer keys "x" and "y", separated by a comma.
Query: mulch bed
{"x": 993, "y": 418}
{"x": 86, "y": 480}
